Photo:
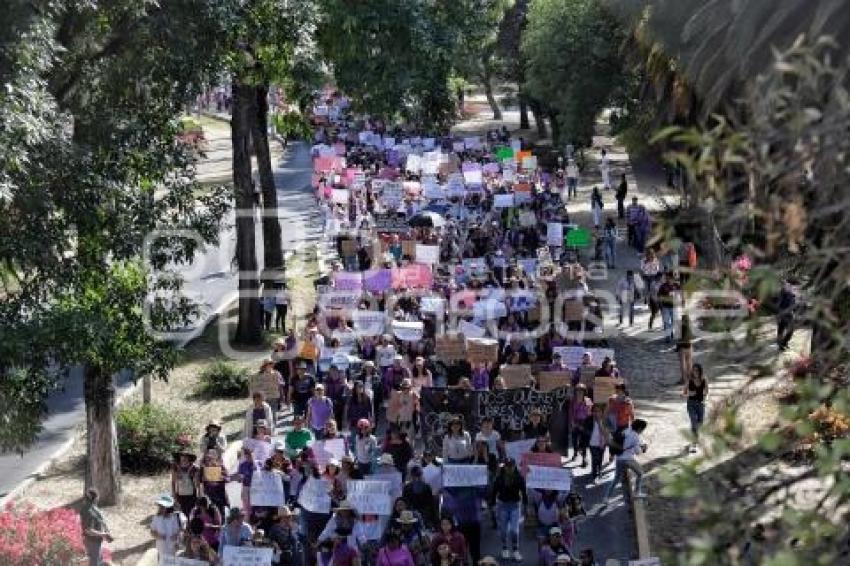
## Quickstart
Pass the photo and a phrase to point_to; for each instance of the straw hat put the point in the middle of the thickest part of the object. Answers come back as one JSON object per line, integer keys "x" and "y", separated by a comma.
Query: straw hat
{"x": 407, "y": 517}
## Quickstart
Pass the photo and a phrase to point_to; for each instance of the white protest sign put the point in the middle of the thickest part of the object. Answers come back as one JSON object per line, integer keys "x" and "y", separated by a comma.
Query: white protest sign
{"x": 429, "y": 143}
{"x": 431, "y": 304}
{"x": 517, "y": 448}
{"x": 508, "y": 175}
{"x": 408, "y": 331}
{"x": 541, "y": 477}
{"x": 260, "y": 449}
{"x": 516, "y": 145}
{"x": 470, "y": 330}
{"x": 458, "y": 147}
{"x": 431, "y": 189}
{"x": 325, "y": 450}
{"x": 392, "y": 476}
{"x": 389, "y": 143}
{"x": 370, "y": 497}
{"x": 464, "y": 475}
{"x": 555, "y": 234}
{"x": 475, "y": 177}
{"x": 455, "y": 185}
{"x": 247, "y": 556}
{"x": 427, "y": 254}
{"x": 414, "y": 163}
{"x": 570, "y": 355}
{"x": 529, "y": 163}
{"x": 266, "y": 489}
{"x": 315, "y": 496}
{"x": 472, "y": 143}
{"x": 175, "y": 561}
{"x": 368, "y": 323}
{"x": 503, "y": 201}
{"x": 527, "y": 218}
{"x": 529, "y": 265}
{"x": 339, "y": 196}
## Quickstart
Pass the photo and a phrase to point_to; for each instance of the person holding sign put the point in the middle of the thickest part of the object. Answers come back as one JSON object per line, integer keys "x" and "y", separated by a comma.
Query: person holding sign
{"x": 214, "y": 476}
{"x": 509, "y": 495}
{"x": 457, "y": 443}
{"x": 198, "y": 549}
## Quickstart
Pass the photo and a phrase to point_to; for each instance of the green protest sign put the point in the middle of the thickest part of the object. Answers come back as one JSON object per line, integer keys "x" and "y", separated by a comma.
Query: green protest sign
{"x": 577, "y": 238}
{"x": 504, "y": 153}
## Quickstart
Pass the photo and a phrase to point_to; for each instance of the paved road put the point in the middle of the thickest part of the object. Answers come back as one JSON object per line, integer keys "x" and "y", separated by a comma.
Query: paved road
{"x": 209, "y": 280}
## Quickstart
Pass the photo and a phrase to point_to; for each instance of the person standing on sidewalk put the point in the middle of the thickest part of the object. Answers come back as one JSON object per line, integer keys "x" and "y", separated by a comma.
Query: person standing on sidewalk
{"x": 94, "y": 526}
{"x": 609, "y": 238}
{"x": 696, "y": 390}
{"x": 668, "y": 296}
{"x": 622, "y": 189}
{"x": 628, "y": 291}
{"x": 510, "y": 495}
{"x": 572, "y": 179}
{"x": 605, "y": 169}
{"x": 632, "y": 218}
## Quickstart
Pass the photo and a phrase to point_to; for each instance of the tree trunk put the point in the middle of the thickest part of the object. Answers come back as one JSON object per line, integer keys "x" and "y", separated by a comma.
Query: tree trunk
{"x": 272, "y": 247}
{"x": 539, "y": 119}
{"x": 488, "y": 87}
{"x": 523, "y": 112}
{"x": 103, "y": 464}
{"x": 249, "y": 328}
{"x": 556, "y": 129}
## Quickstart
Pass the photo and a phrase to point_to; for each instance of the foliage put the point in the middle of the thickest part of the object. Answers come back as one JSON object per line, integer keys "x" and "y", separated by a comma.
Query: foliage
{"x": 292, "y": 125}
{"x": 573, "y": 64}
{"x": 148, "y": 436}
{"x": 224, "y": 379}
{"x": 778, "y": 167}
{"x": 33, "y": 537}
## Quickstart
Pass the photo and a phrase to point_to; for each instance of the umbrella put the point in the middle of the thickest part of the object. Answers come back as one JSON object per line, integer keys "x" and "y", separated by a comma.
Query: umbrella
{"x": 427, "y": 219}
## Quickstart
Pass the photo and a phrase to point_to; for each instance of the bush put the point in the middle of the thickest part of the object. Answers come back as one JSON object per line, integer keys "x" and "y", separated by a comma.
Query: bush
{"x": 148, "y": 436}
{"x": 223, "y": 379}
{"x": 32, "y": 537}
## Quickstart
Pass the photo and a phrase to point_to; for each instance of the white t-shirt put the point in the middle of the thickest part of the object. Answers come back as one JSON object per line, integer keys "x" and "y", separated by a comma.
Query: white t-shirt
{"x": 168, "y": 527}
{"x": 491, "y": 439}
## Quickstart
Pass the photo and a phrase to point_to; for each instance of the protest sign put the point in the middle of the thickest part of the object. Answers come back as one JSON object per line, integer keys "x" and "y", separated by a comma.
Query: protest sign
{"x": 334, "y": 356}
{"x": 166, "y": 560}
{"x": 370, "y": 497}
{"x": 570, "y": 355}
{"x": 508, "y": 175}
{"x": 408, "y": 248}
{"x": 517, "y": 448}
{"x": 541, "y": 459}
{"x": 455, "y": 185}
{"x": 586, "y": 375}
{"x": 527, "y": 219}
{"x": 464, "y": 475}
{"x": 458, "y": 146}
{"x": 408, "y": 331}
{"x": 339, "y": 299}
{"x": 393, "y": 194}
{"x": 471, "y": 330}
{"x": 427, "y": 254}
{"x": 432, "y": 190}
{"x": 515, "y": 376}
{"x": 212, "y": 473}
{"x": 377, "y": 280}
{"x": 473, "y": 177}
{"x": 433, "y": 305}
{"x": 482, "y": 350}
{"x": 516, "y": 145}
{"x": 503, "y": 153}
{"x": 528, "y": 265}
{"x": 554, "y": 233}
{"x": 451, "y": 348}
{"x": 266, "y": 489}
{"x": 414, "y": 276}
{"x": 315, "y": 496}
{"x": 247, "y": 556}
{"x": 368, "y": 323}
{"x": 510, "y": 408}
{"x": 414, "y": 163}
{"x": 529, "y": 163}
{"x": 260, "y": 449}
{"x": 348, "y": 281}
{"x": 391, "y": 223}
{"x": 472, "y": 143}
{"x": 339, "y": 196}
{"x": 603, "y": 388}
{"x": 503, "y": 201}
{"x": 578, "y": 238}
{"x": 265, "y": 383}
{"x": 549, "y": 380}
{"x": 325, "y": 450}
{"x": 573, "y": 310}
{"x": 541, "y": 477}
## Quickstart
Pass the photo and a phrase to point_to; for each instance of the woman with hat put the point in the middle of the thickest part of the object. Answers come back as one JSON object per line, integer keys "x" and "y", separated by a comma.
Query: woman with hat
{"x": 344, "y": 517}
{"x": 213, "y": 439}
{"x": 408, "y": 524}
{"x": 554, "y": 548}
{"x": 210, "y": 520}
{"x": 185, "y": 480}
{"x": 283, "y": 534}
{"x": 166, "y": 526}
{"x": 214, "y": 480}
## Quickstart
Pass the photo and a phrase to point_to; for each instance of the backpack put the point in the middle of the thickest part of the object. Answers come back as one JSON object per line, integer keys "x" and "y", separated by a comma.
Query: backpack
{"x": 618, "y": 439}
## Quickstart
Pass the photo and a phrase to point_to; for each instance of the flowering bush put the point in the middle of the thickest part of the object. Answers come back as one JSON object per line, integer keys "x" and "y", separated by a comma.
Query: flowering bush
{"x": 32, "y": 537}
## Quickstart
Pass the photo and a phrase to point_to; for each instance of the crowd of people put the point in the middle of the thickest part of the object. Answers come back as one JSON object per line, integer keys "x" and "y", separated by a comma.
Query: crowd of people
{"x": 440, "y": 240}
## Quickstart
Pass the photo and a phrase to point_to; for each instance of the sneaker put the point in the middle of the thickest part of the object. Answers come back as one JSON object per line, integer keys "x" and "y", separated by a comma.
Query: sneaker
{"x": 517, "y": 556}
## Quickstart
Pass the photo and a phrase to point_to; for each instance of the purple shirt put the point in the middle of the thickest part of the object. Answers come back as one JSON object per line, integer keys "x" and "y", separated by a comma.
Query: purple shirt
{"x": 320, "y": 411}
{"x": 481, "y": 380}
{"x": 246, "y": 470}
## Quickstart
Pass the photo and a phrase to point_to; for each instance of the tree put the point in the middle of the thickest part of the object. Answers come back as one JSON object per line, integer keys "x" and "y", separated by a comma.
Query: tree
{"x": 97, "y": 171}
{"x": 572, "y": 63}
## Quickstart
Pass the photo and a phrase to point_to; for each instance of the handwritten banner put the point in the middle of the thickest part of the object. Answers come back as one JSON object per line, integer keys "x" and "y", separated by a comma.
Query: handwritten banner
{"x": 247, "y": 556}
{"x": 408, "y": 331}
{"x": 260, "y": 449}
{"x": 464, "y": 475}
{"x": 370, "y": 497}
{"x": 555, "y": 234}
{"x": 378, "y": 280}
{"x": 510, "y": 408}
{"x": 325, "y": 450}
{"x": 556, "y": 479}
{"x": 165, "y": 560}
{"x": 551, "y": 380}
{"x": 517, "y": 448}
{"x": 368, "y": 323}
{"x": 348, "y": 281}
{"x": 315, "y": 496}
{"x": 266, "y": 489}
{"x": 603, "y": 388}
{"x": 541, "y": 459}
{"x": 415, "y": 276}
{"x": 482, "y": 350}
{"x": 451, "y": 348}
{"x": 427, "y": 254}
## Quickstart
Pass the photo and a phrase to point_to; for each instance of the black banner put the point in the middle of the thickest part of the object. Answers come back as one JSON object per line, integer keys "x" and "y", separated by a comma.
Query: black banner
{"x": 438, "y": 406}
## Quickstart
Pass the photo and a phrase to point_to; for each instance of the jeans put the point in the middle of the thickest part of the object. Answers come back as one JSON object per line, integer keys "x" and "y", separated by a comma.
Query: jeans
{"x": 667, "y": 320}
{"x": 696, "y": 414}
{"x": 596, "y": 454}
{"x": 610, "y": 254}
{"x": 93, "y": 545}
{"x": 509, "y": 513}
{"x": 620, "y": 470}
{"x": 627, "y": 307}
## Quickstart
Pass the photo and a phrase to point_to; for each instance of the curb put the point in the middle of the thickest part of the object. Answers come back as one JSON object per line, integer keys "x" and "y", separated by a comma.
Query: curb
{"x": 641, "y": 524}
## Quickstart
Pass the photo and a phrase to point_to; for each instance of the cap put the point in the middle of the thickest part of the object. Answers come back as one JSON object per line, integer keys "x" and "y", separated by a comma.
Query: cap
{"x": 333, "y": 462}
{"x": 556, "y": 531}
{"x": 165, "y": 500}
{"x": 563, "y": 559}
{"x": 279, "y": 446}
{"x": 214, "y": 423}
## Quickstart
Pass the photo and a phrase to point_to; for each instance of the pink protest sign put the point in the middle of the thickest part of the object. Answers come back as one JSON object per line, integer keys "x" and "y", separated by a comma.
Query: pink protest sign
{"x": 377, "y": 280}
{"x": 545, "y": 459}
{"x": 324, "y": 163}
{"x": 415, "y": 276}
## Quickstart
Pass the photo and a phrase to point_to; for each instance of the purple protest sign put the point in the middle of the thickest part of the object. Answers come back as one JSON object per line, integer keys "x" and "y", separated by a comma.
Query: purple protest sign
{"x": 491, "y": 168}
{"x": 348, "y": 281}
{"x": 377, "y": 280}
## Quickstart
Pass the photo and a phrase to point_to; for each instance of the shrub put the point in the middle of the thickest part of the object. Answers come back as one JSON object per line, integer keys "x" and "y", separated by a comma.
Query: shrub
{"x": 148, "y": 436}
{"x": 32, "y": 537}
{"x": 225, "y": 380}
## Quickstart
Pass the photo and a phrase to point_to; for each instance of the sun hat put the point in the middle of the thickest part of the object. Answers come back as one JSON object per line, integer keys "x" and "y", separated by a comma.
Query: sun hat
{"x": 266, "y": 362}
{"x": 386, "y": 460}
{"x": 398, "y": 358}
{"x": 165, "y": 500}
{"x": 556, "y": 531}
{"x": 279, "y": 446}
{"x": 333, "y": 462}
{"x": 407, "y": 517}
{"x": 406, "y": 383}
{"x": 279, "y": 342}
{"x": 214, "y": 423}
{"x": 320, "y": 386}
{"x": 368, "y": 364}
